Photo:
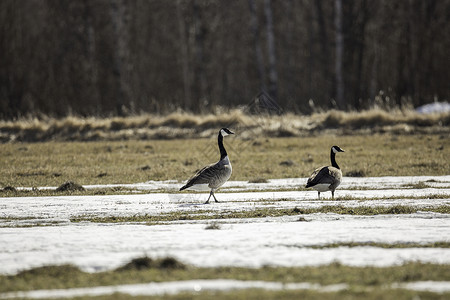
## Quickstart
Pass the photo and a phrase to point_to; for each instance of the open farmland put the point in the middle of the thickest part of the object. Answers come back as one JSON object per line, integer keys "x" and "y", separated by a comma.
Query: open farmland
{"x": 130, "y": 233}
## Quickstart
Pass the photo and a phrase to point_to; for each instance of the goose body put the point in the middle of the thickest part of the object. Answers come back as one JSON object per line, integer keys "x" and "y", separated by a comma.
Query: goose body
{"x": 327, "y": 178}
{"x": 214, "y": 175}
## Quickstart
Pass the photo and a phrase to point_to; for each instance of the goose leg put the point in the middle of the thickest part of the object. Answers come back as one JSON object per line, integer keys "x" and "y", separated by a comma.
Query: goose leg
{"x": 318, "y": 194}
{"x": 214, "y": 197}
{"x": 207, "y": 201}
{"x": 332, "y": 194}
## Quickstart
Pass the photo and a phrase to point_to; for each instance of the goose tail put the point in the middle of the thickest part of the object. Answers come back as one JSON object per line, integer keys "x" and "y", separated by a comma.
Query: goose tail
{"x": 187, "y": 185}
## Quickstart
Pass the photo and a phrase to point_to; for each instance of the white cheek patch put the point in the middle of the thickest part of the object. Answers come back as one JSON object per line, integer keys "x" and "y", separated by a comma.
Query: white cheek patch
{"x": 223, "y": 133}
{"x": 337, "y": 149}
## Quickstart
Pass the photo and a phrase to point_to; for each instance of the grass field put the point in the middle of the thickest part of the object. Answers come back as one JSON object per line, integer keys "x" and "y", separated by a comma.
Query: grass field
{"x": 367, "y": 283}
{"x": 108, "y": 162}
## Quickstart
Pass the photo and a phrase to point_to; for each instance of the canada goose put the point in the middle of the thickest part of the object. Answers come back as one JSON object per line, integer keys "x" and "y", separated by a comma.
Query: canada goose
{"x": 214, "y": 175}
{"x": 327, "y": 178}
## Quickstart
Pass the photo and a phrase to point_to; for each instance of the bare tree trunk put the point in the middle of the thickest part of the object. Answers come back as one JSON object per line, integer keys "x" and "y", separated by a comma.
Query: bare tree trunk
{"x": 90, "y": 65}
{"x": 184, "y": 58}
{"x": 411, "y": 74}
{"x": 325, "y": 74}
{"x": 373, "y": 83}
{"x": 427, "y": 39}
{"x": 120, "y": 20}
{"x": 323, "y": 38}
{"x": 339, "y": 55}
{"x": 257, "y": 45}
{"x": 374, "y": 60}
{"x": 358, "y": 89}
{"x": 199, "y": 65}
{"x": 289, "y": 56}
{"x": 310, "y": 52}
{"x": 273, "y": 75}
{"x": 420, "y": 16}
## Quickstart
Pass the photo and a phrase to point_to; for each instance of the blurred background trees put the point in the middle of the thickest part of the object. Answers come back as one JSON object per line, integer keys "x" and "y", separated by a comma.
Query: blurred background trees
{"x": 118, "y": 57}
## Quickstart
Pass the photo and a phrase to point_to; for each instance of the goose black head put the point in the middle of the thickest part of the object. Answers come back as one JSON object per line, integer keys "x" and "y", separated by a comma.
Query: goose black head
{"x": 336, "y": 149}
{"x": 225, "y": 131}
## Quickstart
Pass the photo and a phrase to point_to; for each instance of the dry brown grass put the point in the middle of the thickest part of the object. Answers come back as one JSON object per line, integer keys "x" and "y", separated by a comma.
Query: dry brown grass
{"x": 364, "y": 282}
{"x": 106, "y": 162}
{"x": 377, "y": 117}
{"x": 185, "y": 125}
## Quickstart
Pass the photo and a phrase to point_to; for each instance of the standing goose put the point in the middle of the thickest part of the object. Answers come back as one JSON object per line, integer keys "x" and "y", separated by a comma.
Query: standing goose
{"x": 327, "y": 178}
{"x": 214, "y": 175}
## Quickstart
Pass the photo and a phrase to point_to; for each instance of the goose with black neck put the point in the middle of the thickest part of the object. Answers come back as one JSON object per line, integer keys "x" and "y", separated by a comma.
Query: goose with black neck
{"x": 214, "y": 175}
{"x": 327, "y": 178}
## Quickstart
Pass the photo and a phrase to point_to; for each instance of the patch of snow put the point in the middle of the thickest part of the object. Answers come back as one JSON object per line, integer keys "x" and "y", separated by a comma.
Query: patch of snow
{"x": 435, "y": 107}
{"x": 172, "y": 288}
{"x": 99, "y": 247}
{"x": 252, "y": 242}
{"x": 285, "y": 183}
{"x": 426, "y": 286}
{"x": 61, "y": 208}
{"x": 196, "y": 286}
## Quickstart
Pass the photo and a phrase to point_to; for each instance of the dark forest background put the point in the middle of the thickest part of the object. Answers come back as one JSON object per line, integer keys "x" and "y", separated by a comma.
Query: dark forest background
{"x": 119, "y": 57}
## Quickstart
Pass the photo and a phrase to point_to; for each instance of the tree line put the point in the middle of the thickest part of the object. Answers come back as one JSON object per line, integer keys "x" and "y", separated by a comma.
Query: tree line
{"x": 119, "y": 57}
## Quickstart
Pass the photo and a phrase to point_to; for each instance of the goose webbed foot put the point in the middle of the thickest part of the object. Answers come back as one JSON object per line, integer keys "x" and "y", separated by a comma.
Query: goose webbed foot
{"x": 207, "y": 201}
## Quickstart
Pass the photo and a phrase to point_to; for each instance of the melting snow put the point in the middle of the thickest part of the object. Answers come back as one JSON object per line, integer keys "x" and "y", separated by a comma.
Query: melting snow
{"x": 195, "y": 286}
{"x": 174, "y": 287}
{"x": 282, "y": 241}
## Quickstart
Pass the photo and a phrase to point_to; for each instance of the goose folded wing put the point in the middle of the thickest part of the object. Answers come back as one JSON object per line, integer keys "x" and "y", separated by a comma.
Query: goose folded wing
{"x": 204, "y": 175}
{"x": 322, "y": 176}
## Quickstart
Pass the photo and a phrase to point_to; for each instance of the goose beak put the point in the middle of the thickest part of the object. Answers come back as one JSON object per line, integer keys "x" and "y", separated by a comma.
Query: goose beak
{"x": 231, "y": 132}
